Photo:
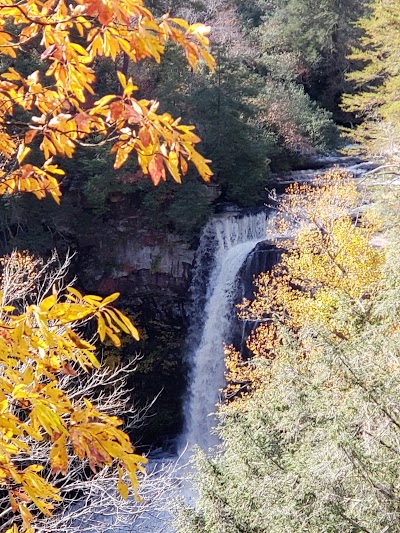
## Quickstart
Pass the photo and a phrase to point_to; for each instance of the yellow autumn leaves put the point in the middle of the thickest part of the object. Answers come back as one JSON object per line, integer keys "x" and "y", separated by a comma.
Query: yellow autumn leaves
{"x": 37, "y": 348}
{"x": 327, "y": 262}
{"x": 59, "y": 102}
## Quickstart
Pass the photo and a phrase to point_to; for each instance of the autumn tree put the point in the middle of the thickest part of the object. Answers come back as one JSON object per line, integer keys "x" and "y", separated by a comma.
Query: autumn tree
{"x": 89, "y": 500}
{"x": 327, "y": 262}
{"x": 55, "y": 108}
{"x": 47, "y": 415}
{"x": 377, "y": 80}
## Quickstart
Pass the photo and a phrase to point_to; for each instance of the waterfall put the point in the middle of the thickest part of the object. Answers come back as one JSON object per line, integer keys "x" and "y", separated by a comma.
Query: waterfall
{"x": 224, "y": 246}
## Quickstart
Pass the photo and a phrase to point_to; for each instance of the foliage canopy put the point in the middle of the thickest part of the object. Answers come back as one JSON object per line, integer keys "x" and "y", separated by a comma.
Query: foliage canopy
{"x": 315, "y": 445}
{"x": 52, "y": 109}
{"x": 326, "y": 261}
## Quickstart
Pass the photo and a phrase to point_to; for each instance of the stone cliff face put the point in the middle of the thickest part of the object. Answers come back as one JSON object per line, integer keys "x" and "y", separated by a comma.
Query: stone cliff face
{"x": 139, "y": 262}
{"x": 152, "y": 271}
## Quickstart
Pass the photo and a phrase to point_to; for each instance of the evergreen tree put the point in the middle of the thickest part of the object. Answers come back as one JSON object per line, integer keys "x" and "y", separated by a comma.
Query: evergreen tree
{"x": 378, "y": 80}
{"x": 307, "y": 41}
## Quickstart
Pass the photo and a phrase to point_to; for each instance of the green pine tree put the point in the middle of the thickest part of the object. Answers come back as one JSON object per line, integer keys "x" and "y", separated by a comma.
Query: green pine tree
{"x": 378, "y": 80}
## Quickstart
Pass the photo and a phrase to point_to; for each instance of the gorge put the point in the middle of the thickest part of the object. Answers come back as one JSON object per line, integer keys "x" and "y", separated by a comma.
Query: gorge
{"x": 146, "y": 148}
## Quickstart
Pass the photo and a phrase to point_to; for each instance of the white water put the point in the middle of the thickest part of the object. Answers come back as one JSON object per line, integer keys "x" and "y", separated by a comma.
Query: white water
{"x": 232, "y": 238}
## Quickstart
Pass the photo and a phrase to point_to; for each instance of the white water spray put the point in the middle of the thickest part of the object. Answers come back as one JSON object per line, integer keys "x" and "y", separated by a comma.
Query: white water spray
{"x": 232, "y": 238}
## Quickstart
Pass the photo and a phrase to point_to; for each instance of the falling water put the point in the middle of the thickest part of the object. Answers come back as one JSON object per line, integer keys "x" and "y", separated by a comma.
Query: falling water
{"x": 225, "y": 244}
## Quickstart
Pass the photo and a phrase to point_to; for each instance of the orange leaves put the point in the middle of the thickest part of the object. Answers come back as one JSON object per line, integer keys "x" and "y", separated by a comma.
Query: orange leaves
{"x": 193, "y": 39}
{"x": 263, "y": 341}
{"x": 101, "y": 9}
{"x": 7, "y": 145}
{"x": 43, "y": 415}
{"x": 97, "y": 437}
{"x": 128, "y": 26}
{"x": 100, "y": 441}
{"x": 162, "y": 143}
{"x": 200, "y": 163}
{"x": 242, "y": 378}
{"x": 111, "y": 321}
{"x": 29, "y": 178}
{"x": 6, "y": 39}
{"x": 157, "y": 169}
{"x": 57, "y": 102}
{"x": 39, "y": 491}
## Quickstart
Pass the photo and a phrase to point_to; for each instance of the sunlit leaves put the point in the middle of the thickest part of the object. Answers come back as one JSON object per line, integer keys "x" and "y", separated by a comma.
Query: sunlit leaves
{"x": 30, "y": 178}
{"x": 38, "y": 347}
{"x": 327, "y": 263}
{"x": 111, "y": 321}
{"x": 72, "y": 36}
{"x": 329, "y": 254}
{"x": 59, "y": 455}
{"x": 156, "y": 139}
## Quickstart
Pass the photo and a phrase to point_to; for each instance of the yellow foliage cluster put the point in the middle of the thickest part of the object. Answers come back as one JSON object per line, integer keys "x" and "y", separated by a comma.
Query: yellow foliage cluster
{"x": 328, "y": 260}
{"x": 37, "y": 347}
{"x": 23, "y": 270}
{"x": 58, "y": 102}
{"x": 242, "y": 376}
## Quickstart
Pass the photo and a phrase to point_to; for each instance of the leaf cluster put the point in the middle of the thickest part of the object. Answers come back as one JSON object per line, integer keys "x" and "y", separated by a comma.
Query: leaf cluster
{"x": 59, "y": 105}
{"x": 39, "y": 345}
